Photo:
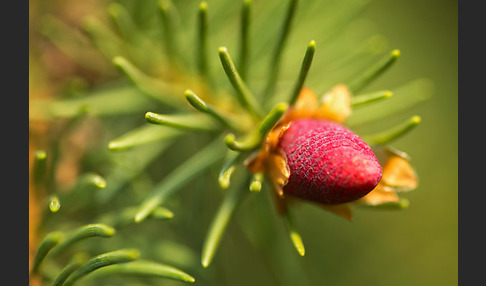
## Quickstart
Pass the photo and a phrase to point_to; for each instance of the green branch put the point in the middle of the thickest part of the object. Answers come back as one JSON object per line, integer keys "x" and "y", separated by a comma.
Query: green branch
{"x": 228, "y": 168}
{"x": 84, "y": 232}
{"x": 277, "y": 55}
{"x": 142, "y": 135}
{"x": 293, "y": 233}
{"x": 362, "y": 99}
{"x": 102, "y": 260}
{"x": 393, "y": 133}
{"x": 162, "y": 91}
{"x": 244, "y": 38}
{"x": 373, "y": 72}
{"x": 244, "y": 95}
{"x": 306, "y": 63}
{"x": 202, "y": 106}
{"x": 50, "y": 241}
{"x": 190, "y": 121}
{"x": 220, "y": 221}
{"x": 202, "y": 41}
{"x": 39, "y": 170}
{"x": 180, "y": 176}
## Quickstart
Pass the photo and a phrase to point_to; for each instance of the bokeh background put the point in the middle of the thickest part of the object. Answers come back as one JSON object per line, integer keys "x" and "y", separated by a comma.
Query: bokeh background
{"x": 416, "y": 246}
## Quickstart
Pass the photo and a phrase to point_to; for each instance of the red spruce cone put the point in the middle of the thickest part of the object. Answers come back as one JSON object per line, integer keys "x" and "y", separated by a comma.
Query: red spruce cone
{"x": 328, "y": 163}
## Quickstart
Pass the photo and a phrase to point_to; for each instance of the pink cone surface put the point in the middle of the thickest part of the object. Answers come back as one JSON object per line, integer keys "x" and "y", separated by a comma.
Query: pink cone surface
{"x": 328, "y": 163}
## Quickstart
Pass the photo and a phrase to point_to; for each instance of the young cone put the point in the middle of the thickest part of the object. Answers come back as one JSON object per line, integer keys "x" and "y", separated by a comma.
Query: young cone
{"x": 328, "y": 163}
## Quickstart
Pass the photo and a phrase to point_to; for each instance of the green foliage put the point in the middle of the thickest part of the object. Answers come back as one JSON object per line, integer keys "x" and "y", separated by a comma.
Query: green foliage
{"x": 178, "y": 119}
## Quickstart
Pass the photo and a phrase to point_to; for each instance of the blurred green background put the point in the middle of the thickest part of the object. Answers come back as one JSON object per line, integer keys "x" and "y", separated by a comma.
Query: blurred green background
{"x": 417, "y": 246}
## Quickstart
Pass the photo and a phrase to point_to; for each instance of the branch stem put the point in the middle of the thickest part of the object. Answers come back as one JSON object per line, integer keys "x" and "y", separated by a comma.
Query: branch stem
{"x": 244, "y": 95}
